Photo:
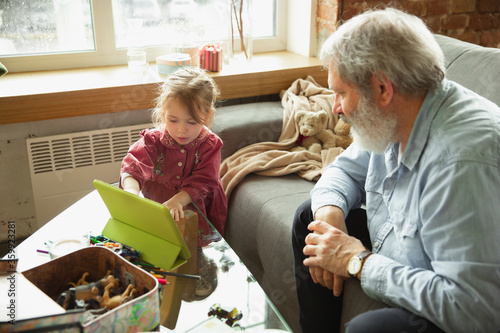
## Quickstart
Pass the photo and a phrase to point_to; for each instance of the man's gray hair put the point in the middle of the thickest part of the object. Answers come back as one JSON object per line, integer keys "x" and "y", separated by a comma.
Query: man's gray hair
{"x": 388, "y": 42}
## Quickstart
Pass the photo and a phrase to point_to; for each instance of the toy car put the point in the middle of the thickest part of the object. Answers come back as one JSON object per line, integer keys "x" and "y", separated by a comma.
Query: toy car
{"x": 230, "y": 316}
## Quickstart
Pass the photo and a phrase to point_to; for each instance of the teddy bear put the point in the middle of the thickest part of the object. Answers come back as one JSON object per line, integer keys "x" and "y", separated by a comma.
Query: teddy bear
{"x": 314, "y": 136}
{"x": 342, "y": 133}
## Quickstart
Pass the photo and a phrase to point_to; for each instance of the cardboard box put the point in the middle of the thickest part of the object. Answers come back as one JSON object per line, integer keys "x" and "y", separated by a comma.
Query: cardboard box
{"x": 137, "y": 315}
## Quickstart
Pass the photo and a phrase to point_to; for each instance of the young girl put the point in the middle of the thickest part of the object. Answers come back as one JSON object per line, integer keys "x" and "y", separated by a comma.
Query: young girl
{"x": 177, "y": 163}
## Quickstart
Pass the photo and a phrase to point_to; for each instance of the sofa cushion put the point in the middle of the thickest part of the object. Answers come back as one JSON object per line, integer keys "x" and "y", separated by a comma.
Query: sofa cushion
{"x": 260, "y": 232}
{"x": 357, "y": 302}
{"x": 241, "y": 125}
{"x": 453, "y": 48}
{"x": 473, "y": 66}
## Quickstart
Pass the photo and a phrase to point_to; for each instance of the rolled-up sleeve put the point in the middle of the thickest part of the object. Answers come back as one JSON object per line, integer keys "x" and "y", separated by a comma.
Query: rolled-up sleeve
{"x": 342, "y": 182}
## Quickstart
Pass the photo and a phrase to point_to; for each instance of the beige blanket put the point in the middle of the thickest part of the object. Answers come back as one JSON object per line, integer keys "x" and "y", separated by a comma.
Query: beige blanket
{"x": 275, "y": 158}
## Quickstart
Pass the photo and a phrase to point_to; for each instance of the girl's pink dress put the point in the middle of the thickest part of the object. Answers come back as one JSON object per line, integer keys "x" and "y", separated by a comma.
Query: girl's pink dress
{"x": 163, "y": 169}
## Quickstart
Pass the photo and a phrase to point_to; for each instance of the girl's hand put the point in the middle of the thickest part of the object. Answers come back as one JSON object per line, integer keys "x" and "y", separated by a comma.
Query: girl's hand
{"x": 176, "y": 208}
{"x": 176, "y": 204}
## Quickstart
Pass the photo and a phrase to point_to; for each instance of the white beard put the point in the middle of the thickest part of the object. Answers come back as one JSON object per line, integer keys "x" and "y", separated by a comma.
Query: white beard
{"x": 370, "y": 128}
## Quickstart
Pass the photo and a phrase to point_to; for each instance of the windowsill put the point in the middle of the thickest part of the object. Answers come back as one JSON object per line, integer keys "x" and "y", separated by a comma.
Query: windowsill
{"x": 35, "y": 96}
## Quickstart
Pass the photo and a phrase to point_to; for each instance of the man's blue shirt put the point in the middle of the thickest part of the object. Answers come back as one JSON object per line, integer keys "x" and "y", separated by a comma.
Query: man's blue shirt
{"x": 434, "y": 214}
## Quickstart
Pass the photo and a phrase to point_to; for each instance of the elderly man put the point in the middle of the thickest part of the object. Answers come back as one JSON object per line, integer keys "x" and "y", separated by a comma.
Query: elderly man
{"x": 426, "y": 162}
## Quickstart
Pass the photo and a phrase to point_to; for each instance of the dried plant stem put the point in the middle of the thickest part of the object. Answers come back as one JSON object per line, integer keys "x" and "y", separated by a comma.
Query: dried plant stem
{"x": 232, "y": 33}
{"x": 239, "y": 24}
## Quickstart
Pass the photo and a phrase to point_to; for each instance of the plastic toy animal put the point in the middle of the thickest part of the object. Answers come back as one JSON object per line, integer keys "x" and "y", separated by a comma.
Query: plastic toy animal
{"x": 113, "y": 302}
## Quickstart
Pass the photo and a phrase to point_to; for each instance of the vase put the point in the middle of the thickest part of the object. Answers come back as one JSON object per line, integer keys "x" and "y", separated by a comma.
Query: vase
{"x": 239, "y": 46}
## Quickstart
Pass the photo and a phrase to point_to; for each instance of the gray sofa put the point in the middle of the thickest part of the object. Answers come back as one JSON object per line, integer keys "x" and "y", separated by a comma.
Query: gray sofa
{"x": 261, "y": 208}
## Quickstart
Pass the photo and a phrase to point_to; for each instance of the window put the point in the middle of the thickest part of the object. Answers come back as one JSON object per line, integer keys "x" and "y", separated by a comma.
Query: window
{"x": 41, "y": 26}
{"x": 56, "y": 34}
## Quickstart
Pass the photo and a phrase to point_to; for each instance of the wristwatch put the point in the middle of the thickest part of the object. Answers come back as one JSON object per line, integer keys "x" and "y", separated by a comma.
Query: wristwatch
{"x": 355, "y": 264}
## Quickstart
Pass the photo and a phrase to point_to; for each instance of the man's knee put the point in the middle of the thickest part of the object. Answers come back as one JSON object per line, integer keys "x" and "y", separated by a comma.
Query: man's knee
{"x": 301, "y": 219}
{"x": 303, "y": 213}
{"x": 299, "y": 232}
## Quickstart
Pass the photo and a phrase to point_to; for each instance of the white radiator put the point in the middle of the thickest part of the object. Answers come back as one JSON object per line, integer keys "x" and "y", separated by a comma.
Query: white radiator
{"x": 62, "y": 167}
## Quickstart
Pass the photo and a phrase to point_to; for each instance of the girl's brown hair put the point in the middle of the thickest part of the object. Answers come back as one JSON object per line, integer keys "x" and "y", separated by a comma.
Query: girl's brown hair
{"x": 194, "y": 88}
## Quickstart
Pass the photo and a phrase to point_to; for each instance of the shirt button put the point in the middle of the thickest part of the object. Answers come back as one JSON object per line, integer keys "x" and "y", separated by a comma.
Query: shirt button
{"x": 376, "y": 244}
{"x": 179, "y": 164}
{"x": 183, "y": 150}
{"x": 178, "y": 177}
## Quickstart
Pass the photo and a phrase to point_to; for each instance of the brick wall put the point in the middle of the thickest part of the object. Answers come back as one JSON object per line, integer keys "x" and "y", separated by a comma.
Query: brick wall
{"x": 474, "y": 21}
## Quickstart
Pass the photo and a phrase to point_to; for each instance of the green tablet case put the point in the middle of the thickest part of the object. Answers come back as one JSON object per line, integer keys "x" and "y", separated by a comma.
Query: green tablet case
{"x": 143, "y": 224}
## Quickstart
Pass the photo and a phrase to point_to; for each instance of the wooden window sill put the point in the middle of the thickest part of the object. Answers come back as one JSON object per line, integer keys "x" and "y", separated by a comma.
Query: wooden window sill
{"x": 34, "y": 96}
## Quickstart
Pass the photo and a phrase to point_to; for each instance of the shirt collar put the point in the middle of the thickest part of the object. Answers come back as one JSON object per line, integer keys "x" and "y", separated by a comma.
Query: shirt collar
{"x": 167, "y": 140}
{"x": 421, "y": 128}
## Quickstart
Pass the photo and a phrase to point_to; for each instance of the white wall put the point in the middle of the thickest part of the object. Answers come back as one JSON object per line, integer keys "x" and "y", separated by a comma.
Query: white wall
{"x": 301, "y": 27}
{"x": 16, "y": 195}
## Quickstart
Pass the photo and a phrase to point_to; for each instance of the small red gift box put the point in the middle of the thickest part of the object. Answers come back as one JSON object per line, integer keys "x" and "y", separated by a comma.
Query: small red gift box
{"x": 211, "y": 57}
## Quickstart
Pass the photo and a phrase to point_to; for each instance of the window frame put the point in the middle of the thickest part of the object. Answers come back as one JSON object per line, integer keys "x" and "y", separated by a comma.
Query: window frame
{"x": 106, "y": 54}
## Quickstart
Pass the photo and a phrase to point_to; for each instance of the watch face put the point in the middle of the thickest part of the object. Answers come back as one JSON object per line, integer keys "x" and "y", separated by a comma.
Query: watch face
{"x": 354, "y": 266}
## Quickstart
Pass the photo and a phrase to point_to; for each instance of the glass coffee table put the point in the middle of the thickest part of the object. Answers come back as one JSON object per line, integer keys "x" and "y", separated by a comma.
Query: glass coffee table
{"x": 181, "y": 310}
{"x": 227, "y": 294}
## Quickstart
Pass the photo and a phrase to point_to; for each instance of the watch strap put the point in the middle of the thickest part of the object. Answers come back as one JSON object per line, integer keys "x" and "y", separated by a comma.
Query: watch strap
{"x": 361, "y": 257}
{"x": 364, "y": 254}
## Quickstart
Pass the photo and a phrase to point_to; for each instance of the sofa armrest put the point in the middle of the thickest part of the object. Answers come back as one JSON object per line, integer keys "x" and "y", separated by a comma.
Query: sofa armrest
{"x": 245, "y": 124}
